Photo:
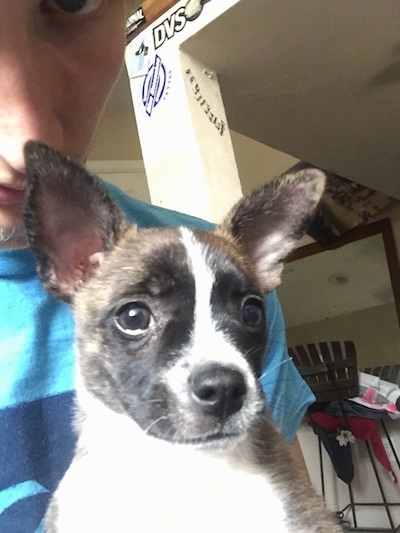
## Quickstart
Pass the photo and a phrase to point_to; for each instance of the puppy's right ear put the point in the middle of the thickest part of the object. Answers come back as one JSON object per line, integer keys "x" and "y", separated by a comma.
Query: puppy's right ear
{"x": 70, "y": 219}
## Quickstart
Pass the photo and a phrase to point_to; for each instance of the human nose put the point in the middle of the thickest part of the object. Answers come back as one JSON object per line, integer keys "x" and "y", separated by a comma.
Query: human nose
{"x": 30, "y": 92}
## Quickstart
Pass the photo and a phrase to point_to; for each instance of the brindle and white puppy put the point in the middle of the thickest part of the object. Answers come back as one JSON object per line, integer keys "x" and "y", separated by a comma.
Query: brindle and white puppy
{"x": 170, "y": 337}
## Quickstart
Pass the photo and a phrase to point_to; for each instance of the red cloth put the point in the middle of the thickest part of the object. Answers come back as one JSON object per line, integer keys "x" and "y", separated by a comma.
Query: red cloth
{"x": 362, "y": 428}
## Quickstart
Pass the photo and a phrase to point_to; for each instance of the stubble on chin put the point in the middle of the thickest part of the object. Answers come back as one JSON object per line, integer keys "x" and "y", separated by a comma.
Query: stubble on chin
{"x": 12, "y": 237}
{"x": 12, "y": 230}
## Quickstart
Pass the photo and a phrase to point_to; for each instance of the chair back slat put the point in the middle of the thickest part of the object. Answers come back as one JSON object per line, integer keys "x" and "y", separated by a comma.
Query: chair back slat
{"x": 389, "y": 373}
{"x": 313, "y": 370}
{"x": 314, "y": 354}
{"x": 302, "y": 359}
{"x": 338, "y": 355}
{"x": 330, "y": 369}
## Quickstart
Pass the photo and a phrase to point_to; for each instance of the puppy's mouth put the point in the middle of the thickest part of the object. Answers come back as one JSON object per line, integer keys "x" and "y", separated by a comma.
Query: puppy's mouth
{"x": 215, "y": 441}
{"x": 218, "y": 435}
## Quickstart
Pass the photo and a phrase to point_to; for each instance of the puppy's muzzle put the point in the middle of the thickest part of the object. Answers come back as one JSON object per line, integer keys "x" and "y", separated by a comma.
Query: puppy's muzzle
{"x": 217, "y": 391}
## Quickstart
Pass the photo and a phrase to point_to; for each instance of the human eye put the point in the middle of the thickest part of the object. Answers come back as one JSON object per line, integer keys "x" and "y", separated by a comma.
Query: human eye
{"x": 78, "y": 7}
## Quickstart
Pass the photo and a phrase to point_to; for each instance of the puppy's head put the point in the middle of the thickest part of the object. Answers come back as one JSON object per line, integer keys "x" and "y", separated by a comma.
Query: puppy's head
{"x": 170, "y": 322}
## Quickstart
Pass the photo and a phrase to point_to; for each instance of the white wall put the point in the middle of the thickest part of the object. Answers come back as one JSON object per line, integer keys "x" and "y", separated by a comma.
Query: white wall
{"x": 375, "y": 333}
{"x": 128, "y": 175}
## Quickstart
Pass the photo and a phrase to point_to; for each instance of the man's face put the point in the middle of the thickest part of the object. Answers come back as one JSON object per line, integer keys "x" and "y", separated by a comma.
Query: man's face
{"x": 58, "y": 62}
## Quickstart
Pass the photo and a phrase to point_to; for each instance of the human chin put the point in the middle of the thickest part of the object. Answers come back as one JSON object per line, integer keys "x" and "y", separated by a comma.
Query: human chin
{"x": 12, "y": 234}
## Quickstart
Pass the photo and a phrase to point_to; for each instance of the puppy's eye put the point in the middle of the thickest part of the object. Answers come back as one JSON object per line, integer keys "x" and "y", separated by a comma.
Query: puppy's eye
{"x": 133, "y": 319}
{"x": 252, "y": 312}
{"x": 80, "y": 7}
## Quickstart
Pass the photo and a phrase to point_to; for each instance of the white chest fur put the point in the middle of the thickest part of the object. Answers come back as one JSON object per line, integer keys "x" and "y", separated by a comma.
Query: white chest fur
{"x": 129, "y": 482}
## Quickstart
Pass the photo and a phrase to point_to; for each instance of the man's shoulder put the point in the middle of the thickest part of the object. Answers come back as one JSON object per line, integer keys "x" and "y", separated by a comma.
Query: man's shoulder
{"x": 150, "y": 216}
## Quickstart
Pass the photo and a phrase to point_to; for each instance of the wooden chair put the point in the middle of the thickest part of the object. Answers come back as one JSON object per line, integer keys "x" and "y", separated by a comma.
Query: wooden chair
{"x": 330, "y": 370}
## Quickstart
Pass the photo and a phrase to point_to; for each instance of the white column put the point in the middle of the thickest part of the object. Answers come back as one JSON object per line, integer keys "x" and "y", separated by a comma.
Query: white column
{"x": 186, "y": 144}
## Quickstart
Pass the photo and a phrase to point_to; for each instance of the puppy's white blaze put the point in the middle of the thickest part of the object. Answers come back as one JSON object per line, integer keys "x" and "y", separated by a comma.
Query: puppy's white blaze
{"x": 204, "y": 278}
{"x": 208, "y": 344}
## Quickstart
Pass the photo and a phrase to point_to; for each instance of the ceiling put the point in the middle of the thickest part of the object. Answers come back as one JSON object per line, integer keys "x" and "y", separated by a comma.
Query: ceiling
{"x": 337, "y": 282}
{"x": 317, "y": 80}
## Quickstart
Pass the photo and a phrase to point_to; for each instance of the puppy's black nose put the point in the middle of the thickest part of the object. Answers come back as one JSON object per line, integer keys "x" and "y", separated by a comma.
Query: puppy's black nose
{"x": 218, "y": 391}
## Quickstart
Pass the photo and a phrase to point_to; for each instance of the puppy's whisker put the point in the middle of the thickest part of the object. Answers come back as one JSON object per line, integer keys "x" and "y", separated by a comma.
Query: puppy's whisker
{"x": 155, "y": 422}
{"x": 276, "y": 366}
{"x": 254, "y": 350}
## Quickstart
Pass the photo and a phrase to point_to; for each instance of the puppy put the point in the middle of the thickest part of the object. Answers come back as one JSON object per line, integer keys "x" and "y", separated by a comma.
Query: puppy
{"x": 173, "y": 434}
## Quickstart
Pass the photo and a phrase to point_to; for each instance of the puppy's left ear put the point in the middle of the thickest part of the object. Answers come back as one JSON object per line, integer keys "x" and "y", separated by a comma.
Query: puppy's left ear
{"x": 70, "y": 219}
{"x": 268, "y": 222}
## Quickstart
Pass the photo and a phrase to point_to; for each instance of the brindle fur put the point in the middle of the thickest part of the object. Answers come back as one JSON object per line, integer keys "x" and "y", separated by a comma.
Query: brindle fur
{"x": 153, "y": 262}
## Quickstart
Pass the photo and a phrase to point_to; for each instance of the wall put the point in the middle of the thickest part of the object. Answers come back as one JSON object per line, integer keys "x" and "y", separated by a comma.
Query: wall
{"x": 128, "y": 175}
{"x": 116, "y": 139}
{"x": 375, "y": 333}
{"x": 258, "y": 163}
